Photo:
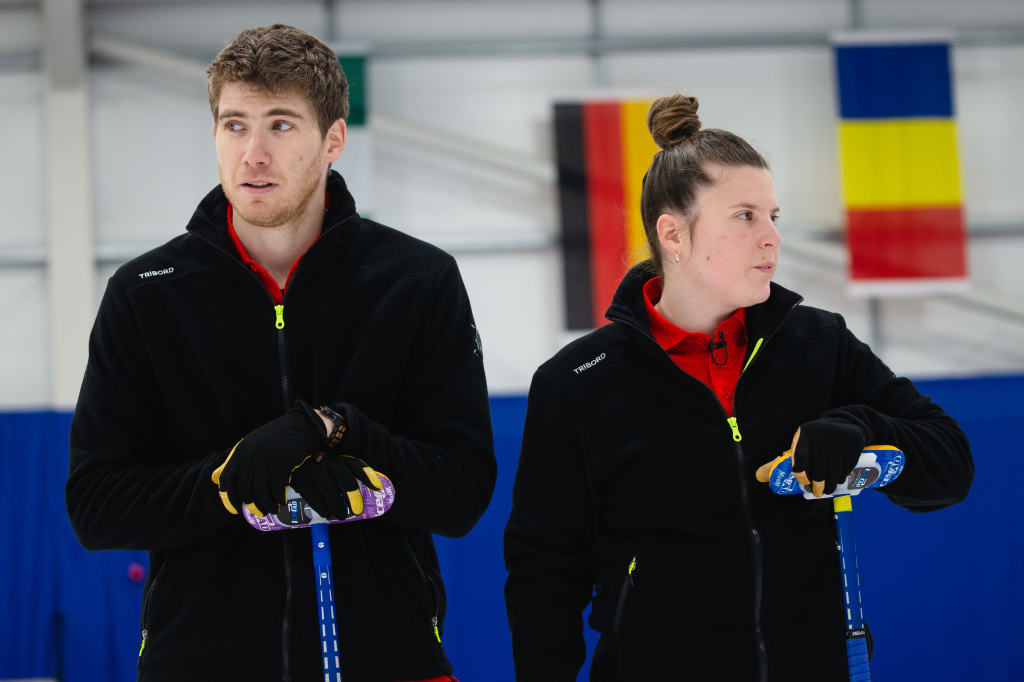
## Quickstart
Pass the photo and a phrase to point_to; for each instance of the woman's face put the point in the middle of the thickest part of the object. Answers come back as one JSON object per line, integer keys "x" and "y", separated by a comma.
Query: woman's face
{"x": 733, "y": 251}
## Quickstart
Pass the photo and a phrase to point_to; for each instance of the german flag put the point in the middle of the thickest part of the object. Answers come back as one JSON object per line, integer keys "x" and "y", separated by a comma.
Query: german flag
{"x": 603, "y": 149}
{"x": 897, "y": 138}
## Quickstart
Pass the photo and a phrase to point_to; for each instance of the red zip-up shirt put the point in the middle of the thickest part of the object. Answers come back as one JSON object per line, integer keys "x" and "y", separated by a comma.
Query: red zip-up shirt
{"x": 276, "y": 291}
{"x": 702, "y": 357}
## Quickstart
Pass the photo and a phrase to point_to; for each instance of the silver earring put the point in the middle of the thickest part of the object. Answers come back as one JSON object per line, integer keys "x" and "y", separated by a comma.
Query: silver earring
{"x": 677, "y": 257}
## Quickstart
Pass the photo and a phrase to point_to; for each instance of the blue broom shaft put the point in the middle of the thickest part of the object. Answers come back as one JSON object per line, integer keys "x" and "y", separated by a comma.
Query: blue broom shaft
{"x": 325, "y": 603}
{"x": 856, "y": 642}
{"x": 848, "y": 561}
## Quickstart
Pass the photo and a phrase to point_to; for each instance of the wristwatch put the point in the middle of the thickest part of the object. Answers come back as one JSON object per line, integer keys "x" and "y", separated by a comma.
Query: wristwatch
{"x": 338, "y": 432}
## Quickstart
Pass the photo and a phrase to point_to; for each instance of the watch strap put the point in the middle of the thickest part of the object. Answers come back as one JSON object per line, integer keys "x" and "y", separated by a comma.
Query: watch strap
{"x": 340, "y": 426}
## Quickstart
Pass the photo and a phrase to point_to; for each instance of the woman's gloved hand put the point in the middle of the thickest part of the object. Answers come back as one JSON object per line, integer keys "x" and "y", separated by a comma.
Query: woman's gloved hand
{"x": 824, "y": 452}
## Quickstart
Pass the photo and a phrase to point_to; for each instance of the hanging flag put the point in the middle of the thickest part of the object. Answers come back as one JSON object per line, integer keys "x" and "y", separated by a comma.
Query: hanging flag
{"x": 356, "y": 161}
{"x": 897, "y": 137}
{"x": 603, "y": 149}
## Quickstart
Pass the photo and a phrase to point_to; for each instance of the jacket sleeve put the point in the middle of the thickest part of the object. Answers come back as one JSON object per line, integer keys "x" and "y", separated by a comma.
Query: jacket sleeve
{"x": 441, "y": 459}
{"x": 119, "y": 493}
{"x": 548, "y": 540}
{"x": 939, "y": 467}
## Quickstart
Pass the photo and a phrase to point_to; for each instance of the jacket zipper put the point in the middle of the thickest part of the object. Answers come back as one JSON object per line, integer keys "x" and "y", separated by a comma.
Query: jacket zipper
{"x": 627, "y": 585}
{"x": 282, "y": 356}
{"x": 286, "y": 399}
{"x": 286, "y": 546}
{"x": 748, "y": 518}
{"x": 145, "y": 613}
{"x": 288, "y": 541}
{"x": 435, "y": 618}
{"x": 755, "y": 535}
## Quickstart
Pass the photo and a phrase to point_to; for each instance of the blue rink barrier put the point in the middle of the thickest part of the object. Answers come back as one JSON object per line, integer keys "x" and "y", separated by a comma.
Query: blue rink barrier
{"x": 941, "y": 590}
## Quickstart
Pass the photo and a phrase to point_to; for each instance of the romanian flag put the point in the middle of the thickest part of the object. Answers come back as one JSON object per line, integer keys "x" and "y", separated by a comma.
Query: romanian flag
{"x": 603, "y": 149}
{"x": 897, "y": 136}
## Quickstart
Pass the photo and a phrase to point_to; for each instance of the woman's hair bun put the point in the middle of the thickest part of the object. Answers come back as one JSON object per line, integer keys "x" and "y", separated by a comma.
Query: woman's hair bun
{"x": 672, "y": 119}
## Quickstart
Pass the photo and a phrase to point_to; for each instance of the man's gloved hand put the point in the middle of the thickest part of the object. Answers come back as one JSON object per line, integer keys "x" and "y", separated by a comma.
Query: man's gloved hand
{"x": 825, "y": 452}
{"x": 329, "y": 484}
{"x": 257, "y": 469}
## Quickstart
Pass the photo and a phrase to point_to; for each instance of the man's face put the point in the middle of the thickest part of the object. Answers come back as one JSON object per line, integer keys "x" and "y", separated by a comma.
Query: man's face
{"x": 271, "y": 155}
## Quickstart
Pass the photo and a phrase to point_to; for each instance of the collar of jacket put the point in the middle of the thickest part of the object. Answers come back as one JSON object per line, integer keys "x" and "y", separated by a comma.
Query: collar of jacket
{"x": 627, "y": 307}
{"x": 210, "y": 220}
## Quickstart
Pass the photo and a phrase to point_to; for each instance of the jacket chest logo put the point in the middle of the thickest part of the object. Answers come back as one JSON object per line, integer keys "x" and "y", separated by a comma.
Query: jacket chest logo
{"x": 587, "y": 365}
{"x": 155, "y": 273}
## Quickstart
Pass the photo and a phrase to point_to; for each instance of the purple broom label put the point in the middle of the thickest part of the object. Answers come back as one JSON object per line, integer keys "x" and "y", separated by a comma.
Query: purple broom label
{"x": 295, "y": 513}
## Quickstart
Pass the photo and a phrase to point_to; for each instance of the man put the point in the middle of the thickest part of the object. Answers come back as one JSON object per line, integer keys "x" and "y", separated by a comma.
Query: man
{"x": 280, "y": 327}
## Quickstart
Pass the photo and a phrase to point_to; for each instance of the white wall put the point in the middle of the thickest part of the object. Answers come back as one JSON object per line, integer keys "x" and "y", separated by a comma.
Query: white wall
{"x": 485, "y": 74}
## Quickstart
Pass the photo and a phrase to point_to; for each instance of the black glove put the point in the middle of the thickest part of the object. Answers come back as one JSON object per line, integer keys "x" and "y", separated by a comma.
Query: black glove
{"x": 825, "y": 452}
{"x": 329, "y": 484}
{"x": 257, "y": 469}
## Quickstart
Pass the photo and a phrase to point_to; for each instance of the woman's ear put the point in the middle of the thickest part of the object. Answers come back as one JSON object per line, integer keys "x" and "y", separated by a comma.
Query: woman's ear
{"x": 671, "y": 229}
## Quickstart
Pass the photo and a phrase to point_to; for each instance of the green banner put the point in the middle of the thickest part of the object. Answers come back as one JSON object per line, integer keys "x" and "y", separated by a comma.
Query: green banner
{"x": 354, "y": 67}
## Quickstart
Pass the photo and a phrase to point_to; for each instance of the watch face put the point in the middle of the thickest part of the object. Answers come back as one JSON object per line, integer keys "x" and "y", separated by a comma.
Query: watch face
{"x": 332, "y": 415}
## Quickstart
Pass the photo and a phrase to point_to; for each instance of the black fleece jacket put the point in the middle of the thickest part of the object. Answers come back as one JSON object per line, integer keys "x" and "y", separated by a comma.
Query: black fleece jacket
{"x": 632, "y": 482}
{"x": 188, "y": 355}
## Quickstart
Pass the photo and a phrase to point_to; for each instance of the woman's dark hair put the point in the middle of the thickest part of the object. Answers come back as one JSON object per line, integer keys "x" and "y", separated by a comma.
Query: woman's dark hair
{"x": 679, "y": 170}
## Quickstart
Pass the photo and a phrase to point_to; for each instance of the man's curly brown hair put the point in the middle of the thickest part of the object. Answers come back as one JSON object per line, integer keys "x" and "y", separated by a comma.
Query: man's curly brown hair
{"x": 279, "y": 59}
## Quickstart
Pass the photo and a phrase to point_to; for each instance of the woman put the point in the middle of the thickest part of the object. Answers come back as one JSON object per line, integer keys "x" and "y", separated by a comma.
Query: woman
{"x": 638, "y": 482}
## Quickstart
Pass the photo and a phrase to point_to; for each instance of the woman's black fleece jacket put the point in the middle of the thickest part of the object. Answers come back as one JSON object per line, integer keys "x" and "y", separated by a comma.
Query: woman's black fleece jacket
{"x": 634, "y": 484}
{"x": 188, "y": 355}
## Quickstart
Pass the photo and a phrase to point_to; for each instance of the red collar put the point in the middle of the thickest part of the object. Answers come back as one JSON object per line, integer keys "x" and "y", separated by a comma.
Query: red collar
{"x": 276, "y": 292}
{"x": 669, "y": 336}
{"x": 717, "y": 362}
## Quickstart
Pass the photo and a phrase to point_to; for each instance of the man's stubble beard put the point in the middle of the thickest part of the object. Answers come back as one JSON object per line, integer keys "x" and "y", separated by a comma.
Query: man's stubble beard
{"x": 272, "y": 216}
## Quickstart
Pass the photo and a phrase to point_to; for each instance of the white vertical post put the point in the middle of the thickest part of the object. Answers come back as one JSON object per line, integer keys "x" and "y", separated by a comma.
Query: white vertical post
{"x": 68, "y": 196}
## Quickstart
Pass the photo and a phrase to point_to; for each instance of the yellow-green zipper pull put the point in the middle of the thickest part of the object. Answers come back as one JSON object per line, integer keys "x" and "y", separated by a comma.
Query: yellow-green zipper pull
{"x": 437, "y": 633}
{"x": 279, "y": 310}
{"x": 141, "y": 648}
{"x": 734, "y": 425}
